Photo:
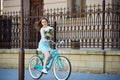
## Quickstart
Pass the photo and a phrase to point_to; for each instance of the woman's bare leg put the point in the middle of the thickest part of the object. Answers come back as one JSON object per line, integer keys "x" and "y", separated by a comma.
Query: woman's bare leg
{"x": 47, "y": 54}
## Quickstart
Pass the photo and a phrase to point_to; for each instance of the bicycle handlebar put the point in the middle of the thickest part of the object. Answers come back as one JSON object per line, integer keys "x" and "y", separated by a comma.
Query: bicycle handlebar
{"x": 61, "y": 42}
{"x": 55, "y": 43}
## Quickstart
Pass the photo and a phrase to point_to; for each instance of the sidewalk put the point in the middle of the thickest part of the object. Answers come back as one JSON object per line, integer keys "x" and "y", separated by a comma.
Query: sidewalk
{"x": 12, "y": 74}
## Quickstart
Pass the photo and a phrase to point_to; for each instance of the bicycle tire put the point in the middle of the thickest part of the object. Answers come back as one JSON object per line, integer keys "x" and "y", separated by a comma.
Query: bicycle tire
{"x": 35, "y": 72}
{"x": 62, "y": 70}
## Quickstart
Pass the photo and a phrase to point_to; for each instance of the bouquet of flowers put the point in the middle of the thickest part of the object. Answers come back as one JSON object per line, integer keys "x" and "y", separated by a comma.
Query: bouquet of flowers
{"x": 48, "y": 32}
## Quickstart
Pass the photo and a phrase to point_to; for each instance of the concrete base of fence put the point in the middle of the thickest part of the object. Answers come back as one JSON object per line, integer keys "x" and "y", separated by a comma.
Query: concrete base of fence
{"x": 90, "y": 61}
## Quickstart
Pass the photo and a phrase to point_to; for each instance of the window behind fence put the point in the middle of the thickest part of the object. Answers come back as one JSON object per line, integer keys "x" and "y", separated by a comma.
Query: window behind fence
{"x": 78, "y": 6}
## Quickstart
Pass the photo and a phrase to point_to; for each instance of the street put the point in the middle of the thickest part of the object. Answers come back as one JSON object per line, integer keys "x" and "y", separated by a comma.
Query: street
{"x": 12, "y": 74}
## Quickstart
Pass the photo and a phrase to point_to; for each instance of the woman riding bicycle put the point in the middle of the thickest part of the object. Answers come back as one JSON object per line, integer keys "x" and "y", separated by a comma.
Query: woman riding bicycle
{"x": 43, "y": 45}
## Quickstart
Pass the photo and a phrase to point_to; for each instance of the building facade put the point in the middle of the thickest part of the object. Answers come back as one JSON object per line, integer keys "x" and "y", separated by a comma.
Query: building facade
{"x": 14, "y": 5}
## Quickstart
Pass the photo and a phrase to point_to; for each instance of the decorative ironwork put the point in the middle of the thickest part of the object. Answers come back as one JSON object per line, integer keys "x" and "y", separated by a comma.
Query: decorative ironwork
{"x": 86, "y": 27}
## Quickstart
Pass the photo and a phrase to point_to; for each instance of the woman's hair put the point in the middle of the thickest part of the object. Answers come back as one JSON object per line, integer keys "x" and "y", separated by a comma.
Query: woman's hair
{"x": 39, "y": 25}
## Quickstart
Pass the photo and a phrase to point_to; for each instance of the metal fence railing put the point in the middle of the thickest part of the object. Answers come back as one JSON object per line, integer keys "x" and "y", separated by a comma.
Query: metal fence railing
{"x": 97, "y": 27}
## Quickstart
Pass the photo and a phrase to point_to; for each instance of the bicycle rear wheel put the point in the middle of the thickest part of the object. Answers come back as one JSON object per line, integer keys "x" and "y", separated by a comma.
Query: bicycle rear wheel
{"x": 62, "y": 68}
{"x": 35, "y": 66}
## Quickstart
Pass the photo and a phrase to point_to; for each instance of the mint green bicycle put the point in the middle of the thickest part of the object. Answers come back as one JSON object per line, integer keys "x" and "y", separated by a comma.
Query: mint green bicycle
{"x": 61, "y": 64}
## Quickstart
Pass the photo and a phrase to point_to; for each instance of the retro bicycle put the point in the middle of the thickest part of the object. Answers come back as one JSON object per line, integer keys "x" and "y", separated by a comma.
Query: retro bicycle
{"x": 61, "y": 64}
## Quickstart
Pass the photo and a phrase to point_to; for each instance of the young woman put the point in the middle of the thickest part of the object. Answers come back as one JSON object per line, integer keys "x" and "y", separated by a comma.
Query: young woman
{"x": 43, "y": 45}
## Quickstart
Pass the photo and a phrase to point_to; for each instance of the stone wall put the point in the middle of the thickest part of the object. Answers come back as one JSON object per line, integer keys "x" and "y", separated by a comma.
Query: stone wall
{"x": 88, "y": 61}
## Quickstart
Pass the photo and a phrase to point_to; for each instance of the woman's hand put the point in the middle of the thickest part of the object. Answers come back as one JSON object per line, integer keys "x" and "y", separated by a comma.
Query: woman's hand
{"x": 45, "y": 40}
{"x": 48, "y": 35}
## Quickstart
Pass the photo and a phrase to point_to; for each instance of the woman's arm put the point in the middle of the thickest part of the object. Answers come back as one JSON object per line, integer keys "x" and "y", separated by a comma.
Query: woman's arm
{"x": 42, "y": 35}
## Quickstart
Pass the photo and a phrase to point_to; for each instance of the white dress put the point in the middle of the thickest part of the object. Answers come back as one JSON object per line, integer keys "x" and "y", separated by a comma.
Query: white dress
{"x": 43, "y": 46}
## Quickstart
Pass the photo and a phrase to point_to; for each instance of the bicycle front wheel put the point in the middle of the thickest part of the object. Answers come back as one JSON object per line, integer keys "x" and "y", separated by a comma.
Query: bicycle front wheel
{"x": 35, "y": 66}
{"x": 62, "y": 68}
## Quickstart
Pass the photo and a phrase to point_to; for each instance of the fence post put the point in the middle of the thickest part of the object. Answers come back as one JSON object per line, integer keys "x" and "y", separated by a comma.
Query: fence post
{"x": 103, "y": 40}
{"x": 103, "y": 24}
{"x": 21, "y": 53}
{"x": 54, "y": 32}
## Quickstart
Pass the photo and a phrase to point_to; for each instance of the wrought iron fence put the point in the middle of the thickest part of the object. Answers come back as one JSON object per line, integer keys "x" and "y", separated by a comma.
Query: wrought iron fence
{"x": 97, "y": 27}
{"x": 9, "y": 31}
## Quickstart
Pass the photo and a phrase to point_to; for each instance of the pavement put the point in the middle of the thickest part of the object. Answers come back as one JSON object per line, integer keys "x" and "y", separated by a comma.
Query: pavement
{"x": 12, "y": 74}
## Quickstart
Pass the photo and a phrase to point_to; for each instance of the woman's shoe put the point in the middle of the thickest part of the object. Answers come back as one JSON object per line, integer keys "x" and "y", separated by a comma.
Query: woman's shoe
{"x": 44, "y": 71}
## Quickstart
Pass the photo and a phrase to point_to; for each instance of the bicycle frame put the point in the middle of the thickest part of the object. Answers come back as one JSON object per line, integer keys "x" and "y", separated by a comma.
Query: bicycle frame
{"x": 55, "y": 55}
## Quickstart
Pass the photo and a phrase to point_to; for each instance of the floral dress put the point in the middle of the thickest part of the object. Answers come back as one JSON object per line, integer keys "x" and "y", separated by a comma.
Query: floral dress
{"x": 43, "y": 46}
